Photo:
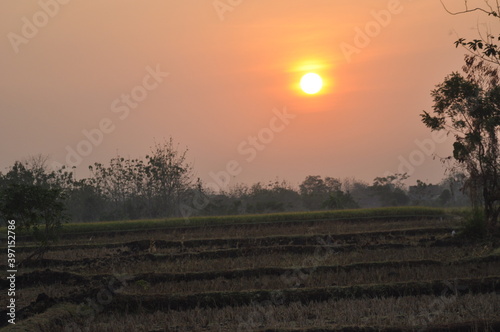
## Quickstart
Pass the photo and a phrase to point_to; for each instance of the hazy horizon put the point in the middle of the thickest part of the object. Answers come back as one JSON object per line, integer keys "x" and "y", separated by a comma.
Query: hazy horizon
{"x": 222, "y": 79}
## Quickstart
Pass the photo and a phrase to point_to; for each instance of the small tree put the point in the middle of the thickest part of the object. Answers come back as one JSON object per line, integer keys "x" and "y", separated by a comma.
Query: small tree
{"x": 121, "y": 188}
{"x": 315, "y": 190}
{"x": 338, "y": 200}
{"x": 390, "y": 190}
{"x": 34, "y": 197}
{"x": 276, "y": 196}
{"x": 468, "y": 107}
{"x": 169, "y": 175}
{"x": 153, "y": 187}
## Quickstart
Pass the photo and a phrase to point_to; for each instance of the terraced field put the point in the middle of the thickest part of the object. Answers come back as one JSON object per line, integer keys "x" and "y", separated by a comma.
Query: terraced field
{"x": 393, "y": 274}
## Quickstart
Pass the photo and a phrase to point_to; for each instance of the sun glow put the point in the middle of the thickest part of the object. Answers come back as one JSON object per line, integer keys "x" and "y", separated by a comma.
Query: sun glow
{"x": 311, "y": 83}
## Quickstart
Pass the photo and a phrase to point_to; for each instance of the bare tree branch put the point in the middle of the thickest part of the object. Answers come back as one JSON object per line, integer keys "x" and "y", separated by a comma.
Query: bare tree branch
{"x": 467, "y": 10}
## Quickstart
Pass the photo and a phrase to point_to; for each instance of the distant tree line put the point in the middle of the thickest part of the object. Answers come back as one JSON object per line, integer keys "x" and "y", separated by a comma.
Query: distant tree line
{"x": 157, "y": 185}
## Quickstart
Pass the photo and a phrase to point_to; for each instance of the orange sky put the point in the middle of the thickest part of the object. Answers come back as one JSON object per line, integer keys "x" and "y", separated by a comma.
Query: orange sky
{"x": 231, "y": 70}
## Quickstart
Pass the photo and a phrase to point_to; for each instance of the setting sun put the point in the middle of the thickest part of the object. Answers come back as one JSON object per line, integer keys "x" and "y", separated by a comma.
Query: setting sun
{"x": 311, "y": 83}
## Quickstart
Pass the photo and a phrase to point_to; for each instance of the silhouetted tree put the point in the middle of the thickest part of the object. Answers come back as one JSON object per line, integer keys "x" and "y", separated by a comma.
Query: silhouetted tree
{"x": 135, "y": 188}
{"x": 35, "y": 197}
{"x": 467, "y": 106}
{"x": 318, "y": 193}
{"x": 338, "y": 200}
{"x": 169, "y": 175}
{"x": 276, "y": 196}
{"x": 390, "y": 190}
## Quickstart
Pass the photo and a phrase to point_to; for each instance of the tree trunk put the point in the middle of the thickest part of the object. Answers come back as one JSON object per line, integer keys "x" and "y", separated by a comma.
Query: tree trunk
{"x": 491, "y": 214}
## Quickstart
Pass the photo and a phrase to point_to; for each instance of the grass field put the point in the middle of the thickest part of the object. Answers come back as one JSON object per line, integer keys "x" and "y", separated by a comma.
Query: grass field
{"x": 357, "y": 270}
{"x": 148, "y": 224}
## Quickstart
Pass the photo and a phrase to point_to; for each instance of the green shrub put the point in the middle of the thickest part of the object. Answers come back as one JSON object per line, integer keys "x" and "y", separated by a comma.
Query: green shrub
{"x": 474, "y": 225}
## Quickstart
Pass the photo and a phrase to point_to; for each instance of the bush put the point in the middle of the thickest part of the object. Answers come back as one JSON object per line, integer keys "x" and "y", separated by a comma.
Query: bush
{"x": 475, "y": 225}
{"x": 35, "y": 199}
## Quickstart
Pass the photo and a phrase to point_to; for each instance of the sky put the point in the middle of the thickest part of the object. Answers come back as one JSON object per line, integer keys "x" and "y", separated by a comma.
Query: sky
{"x": 85, "y": 81}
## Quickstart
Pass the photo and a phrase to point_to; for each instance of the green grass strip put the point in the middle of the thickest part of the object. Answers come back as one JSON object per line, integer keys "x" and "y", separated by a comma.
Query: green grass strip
{"x": 151, "y": 224}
